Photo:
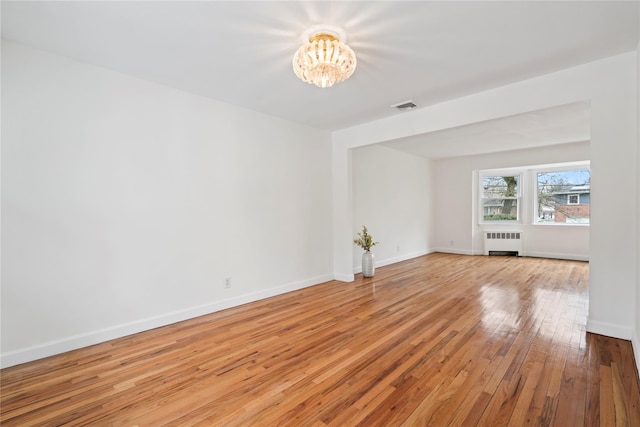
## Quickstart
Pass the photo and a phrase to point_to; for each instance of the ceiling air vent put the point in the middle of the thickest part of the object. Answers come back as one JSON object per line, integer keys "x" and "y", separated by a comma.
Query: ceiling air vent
{"x": 405, "y": 105}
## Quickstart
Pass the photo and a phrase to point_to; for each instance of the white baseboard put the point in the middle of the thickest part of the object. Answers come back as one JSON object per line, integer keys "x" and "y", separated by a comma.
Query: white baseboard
{"x": 553, "y": 255}
{"x": 609, "y": 329}
{"x": 457, "y": 251}
{"x": 344, "y": 277}
{"x": 74, "y": 342}
{"x": 389, "y": 261}
{"x": 635, "y": 343}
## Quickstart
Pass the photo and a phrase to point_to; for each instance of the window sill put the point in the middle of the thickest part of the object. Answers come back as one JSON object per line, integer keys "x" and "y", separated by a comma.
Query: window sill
{"x": 559, "y": 224}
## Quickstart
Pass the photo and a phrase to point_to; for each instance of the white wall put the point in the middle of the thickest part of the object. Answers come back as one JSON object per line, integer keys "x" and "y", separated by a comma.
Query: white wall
{"x": 125, "y": 204}
{"x": 392, "y": 194}
{"x": 611, "y": 87}
{"x": 454, "y": 210}
{"x": 636, "y": 336}
{"x": 457, "y": 204}
{"x": 613, "y": 256}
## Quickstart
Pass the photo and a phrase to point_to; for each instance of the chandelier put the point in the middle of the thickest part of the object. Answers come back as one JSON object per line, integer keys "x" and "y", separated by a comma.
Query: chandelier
{"x": 324, "y": 60}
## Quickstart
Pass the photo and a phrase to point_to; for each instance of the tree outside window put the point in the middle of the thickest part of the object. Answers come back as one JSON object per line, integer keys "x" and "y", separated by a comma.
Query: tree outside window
{"x": 500, "y": 196}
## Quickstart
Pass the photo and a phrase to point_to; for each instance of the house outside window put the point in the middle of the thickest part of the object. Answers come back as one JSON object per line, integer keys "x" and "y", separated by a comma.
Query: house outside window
{"x": 563, "y": 196}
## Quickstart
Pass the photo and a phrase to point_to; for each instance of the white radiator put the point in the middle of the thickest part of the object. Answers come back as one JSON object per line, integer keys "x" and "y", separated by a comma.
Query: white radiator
{"x": 502, "y": 242}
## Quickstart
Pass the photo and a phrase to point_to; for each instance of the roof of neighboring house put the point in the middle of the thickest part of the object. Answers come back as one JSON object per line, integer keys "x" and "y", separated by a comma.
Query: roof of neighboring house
{"x": 574, "y": 189}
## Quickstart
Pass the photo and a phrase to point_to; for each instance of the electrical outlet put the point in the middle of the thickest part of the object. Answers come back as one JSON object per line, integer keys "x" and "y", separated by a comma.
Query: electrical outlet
{"x": 398, "y": 248}
{"x": 227, "y": 282}
{"x": 452, "y": 243}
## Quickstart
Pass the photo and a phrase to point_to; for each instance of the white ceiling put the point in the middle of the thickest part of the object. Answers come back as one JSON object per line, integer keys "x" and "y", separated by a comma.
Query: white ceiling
{"x": 240, "y": 52}
{"x": 557, "y": 125}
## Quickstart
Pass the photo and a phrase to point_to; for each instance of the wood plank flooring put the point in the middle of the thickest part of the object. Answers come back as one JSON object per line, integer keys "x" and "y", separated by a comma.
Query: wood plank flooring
{"x": 440, "y": 340}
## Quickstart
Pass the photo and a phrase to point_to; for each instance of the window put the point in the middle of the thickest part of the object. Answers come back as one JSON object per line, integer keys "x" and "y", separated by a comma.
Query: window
{"x": 551, "y": 194}
{"x": 563, "y": 196}
{"x": 500, "y": 196}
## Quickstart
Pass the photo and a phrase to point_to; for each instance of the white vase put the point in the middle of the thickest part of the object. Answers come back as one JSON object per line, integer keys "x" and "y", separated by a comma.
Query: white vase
{"x": 368, "y": 266}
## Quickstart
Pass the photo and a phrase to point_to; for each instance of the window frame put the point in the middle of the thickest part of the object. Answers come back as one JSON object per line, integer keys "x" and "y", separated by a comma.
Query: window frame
{"x": 519, "y": 174}
{"x": 574, "y": 166}
{"x": 527, "y": 194}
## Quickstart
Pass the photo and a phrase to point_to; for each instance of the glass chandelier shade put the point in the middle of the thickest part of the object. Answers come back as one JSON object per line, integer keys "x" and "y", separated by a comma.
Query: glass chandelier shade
{"x": 324, "y": 61}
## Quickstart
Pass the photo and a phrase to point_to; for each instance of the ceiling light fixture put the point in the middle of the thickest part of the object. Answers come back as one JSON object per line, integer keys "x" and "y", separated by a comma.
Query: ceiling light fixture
{"x": 323, "y": 59}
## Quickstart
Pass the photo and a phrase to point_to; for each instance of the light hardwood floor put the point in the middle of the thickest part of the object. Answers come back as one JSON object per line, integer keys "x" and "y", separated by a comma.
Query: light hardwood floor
{"x": 434, "y": 341}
